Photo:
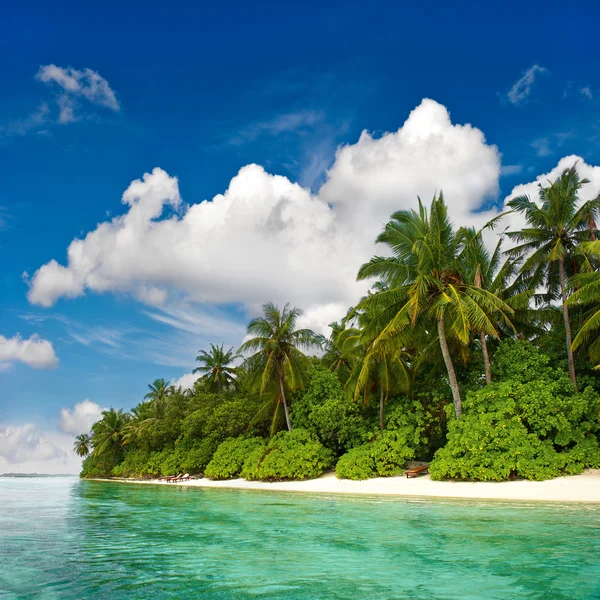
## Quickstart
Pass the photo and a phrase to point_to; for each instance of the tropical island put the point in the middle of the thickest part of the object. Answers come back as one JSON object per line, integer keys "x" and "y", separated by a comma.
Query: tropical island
{"x": 477, "y": 359}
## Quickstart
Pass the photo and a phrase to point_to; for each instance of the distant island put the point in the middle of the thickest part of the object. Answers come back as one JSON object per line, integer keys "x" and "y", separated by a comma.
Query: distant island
{"x": 36, "y": 475}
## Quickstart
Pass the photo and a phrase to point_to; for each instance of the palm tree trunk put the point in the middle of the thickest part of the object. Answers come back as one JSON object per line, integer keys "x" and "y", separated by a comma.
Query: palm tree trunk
{"x": 285, "y": 406}
{"x": 449, "y": 368}
{"x": 561, "y": 264}
{"x": 381, "y": 420}
{"x": 486, "y": 359}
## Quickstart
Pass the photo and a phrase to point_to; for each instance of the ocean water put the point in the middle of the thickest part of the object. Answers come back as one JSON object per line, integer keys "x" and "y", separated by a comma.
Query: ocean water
{"x": 70, "y": 539}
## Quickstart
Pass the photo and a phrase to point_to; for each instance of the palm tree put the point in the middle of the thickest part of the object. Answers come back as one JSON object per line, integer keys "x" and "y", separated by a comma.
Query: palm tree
{"x": 218, "y": 373}
{"x": 588, "y": 293}
{"x": 277, "y": 359}
{"x": 550, "y": 243}
{"x": 425, "y": 280}
{"x": 107, "y": 434}
{"x": 485, "y": 270}
{"x": 157, "y": 393}
{"x": 378, "y": 368}
{"x": 335, "y": 358}
{"x": 82, "y": 444}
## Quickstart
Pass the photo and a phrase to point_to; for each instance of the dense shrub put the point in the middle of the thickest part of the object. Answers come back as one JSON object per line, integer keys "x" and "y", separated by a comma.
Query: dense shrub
{"x": 97, "y": 466}
{"x": 386, "y": 455}
{"x": 228, "y": 460}
{"x": 289, "y": 455}
{"x": 328, "y": 413}
{"x": 136, "y": 464}
{"x": 197, "y": 455}
{"x": 532, "y": 425}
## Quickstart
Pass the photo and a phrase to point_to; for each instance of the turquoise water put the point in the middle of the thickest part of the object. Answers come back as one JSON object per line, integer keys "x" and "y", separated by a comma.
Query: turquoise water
{"x": 70, "y": 539}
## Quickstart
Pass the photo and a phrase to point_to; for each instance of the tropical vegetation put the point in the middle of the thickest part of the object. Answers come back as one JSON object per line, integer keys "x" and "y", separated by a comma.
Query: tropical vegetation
{"x": 477, "y": 357}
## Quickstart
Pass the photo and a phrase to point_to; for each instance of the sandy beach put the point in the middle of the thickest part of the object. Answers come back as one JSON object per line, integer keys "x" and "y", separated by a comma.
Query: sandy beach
{"x": 575, "y": 488}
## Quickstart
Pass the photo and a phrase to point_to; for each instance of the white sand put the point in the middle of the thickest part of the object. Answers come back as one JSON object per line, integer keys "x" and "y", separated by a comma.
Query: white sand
{"x": 576, "y": 488}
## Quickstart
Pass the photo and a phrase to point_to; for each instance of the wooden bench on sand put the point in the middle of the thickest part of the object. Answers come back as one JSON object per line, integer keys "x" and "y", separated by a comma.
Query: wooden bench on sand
{"x": 416, "y": 472}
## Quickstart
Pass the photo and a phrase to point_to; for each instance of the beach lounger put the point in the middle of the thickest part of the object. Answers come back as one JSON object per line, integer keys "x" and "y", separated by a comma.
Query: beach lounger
{"x": 186, "y": 477}
{"x": 416, "y": 472}
{"x": 172, "y": 479}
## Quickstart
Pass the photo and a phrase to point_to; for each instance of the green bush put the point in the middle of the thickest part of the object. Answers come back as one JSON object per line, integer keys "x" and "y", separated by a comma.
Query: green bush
{"x": 197, "y": 456}
{"x": 531, "y": 425}
{"x": 356, "y": 464}
{"x": 228, "y": 460}
{"x": 136, "y": 464}
{"x": 386, "y": 455}
{"x": 328, "y": 413}
{"x": 250, "y": 467}
{"x": 97, "y": 466}
{"x": 289, "y": 455}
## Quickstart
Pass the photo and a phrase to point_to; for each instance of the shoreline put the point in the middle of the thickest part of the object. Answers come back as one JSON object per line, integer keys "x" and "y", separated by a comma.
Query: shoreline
{"x": 584, "y": 488}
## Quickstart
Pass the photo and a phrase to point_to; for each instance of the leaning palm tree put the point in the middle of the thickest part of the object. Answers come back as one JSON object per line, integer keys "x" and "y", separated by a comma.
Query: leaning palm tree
{"x": 82, "y": 445}
{"x": 550, "y": 245}
{"x": 379, "y": 369}
{"x": 108, "y": 433}
{"x": 425, "y": 281}
{"x": 216, "y": 368}
{"x": 278, "y": 361}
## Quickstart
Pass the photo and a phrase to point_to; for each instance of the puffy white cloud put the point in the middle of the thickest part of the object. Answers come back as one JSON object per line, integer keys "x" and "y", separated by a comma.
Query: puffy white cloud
{"x": 81, "y": 418}
{"x": 186, "y": 381}
{"x": 586, "y": 92}
{"x": 520, "y": 91}
{"x": 35, "y": 352}
{"x": 378, "y": 176}
{"x": 267, "y": 238}
{"x": 27, "y": 449}
{"x": 19, "y": 444}
{"x": 77, "y": 84}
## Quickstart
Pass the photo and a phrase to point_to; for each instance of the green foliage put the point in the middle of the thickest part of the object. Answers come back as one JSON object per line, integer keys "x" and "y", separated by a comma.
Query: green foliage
{"x": 328, "y": 413}
{"x": 386, "y": 455}
{"x": 228, "y": 460}
{"x": 197, "y": 455}
{"x": 98, "y": 466}
{"x": 532, "y": 424}
{"x": 289, "y": 455}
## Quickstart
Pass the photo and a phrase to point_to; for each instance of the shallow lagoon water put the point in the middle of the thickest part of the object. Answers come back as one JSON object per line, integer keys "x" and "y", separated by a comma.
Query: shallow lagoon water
{"x": 70, "y": 539}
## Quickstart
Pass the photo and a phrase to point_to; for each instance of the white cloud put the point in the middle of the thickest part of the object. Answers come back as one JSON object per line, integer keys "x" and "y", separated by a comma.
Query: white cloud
{"x": 75, "y": 84}
{"x": 186, "y": 381}
{"x": 520, "y": 91}
{"x": 511, "y": 169}
{"x": 267, "y": 238}
{"x": 292, "y": 121}
{"x": 34, "y": 352}
{"x": 586, "y": 92}
{"x": 542, "y": 146}
{"x": 34, "y": 121}
{"x": 81, "y": 418}
{"x": 27, "y": 449}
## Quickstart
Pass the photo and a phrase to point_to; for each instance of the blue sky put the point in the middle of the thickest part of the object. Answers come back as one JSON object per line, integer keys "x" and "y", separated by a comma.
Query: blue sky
{"x": 94, "y": 98}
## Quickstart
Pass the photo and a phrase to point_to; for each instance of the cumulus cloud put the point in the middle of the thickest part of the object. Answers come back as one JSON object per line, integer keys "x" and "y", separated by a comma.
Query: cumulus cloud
{"x": 186, "y": 381}
{"x": 520, "y": 91}
{"x": 75, "y": 84}
{"x": 267, "y": 238}
{"x": 80, "y": 418}
{"x": 27, "y": 443}
{"x": 28, "y": 449}
{"x": 34, "y": 352}
{"x": 586, "y": 92}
